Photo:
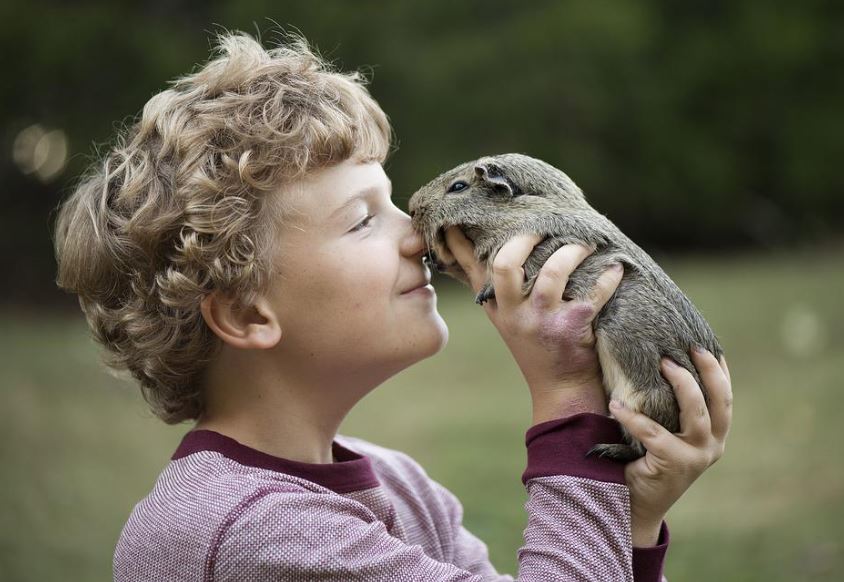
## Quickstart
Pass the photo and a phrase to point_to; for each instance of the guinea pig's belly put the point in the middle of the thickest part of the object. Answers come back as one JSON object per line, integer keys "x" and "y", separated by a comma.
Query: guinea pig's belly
{"x": 617, "y": 384}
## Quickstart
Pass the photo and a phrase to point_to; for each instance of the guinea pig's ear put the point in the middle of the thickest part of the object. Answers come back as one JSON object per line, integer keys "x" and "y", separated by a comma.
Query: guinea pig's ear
{"x": 491, "y": 177}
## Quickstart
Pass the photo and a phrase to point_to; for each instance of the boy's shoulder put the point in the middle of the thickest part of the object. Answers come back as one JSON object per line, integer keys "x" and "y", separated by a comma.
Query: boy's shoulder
{"x": 209, "y": 480}
{"x": 203, "y": 488}
{"x": 198, "y": 492}
{"x": 199, "y": 499}
{"x": 403, "y": 479}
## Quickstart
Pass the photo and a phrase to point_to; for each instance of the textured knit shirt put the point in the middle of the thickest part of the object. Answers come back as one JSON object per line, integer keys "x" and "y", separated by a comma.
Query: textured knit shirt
{"x": 221, "y": 511}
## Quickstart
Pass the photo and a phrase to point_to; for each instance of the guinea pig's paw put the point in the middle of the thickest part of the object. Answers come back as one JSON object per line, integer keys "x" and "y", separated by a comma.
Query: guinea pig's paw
{"x": 432, "y": 260}
{"x": 486, "y": 293}
{"x": 616, "y": 452}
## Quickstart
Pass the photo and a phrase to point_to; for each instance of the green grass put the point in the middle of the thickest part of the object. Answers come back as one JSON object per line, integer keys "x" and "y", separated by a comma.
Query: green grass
{"x": 79, "y": 448}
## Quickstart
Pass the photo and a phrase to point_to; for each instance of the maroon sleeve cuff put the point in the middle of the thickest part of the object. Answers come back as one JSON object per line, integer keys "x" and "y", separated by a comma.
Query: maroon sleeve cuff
{"x": 559, "y": 447}
{"x": 648, "y": 562}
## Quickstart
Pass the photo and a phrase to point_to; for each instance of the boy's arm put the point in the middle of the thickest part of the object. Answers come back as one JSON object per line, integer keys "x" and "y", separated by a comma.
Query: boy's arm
{"x": 576, "y": 504}
{"x": 578, "y": 528}
{"x": 557, "y": 451}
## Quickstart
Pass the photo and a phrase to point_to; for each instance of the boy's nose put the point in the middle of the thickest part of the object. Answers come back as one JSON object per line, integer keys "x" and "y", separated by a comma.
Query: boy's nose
{"x": 413, "y": 242}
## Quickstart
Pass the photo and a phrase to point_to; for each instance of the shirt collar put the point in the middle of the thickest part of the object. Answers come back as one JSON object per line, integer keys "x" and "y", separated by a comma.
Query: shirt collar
{"x": 351, "y": 471}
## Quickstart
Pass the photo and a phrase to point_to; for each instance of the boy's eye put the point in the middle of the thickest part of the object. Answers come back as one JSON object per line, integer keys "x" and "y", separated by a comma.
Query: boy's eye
{"x": 458, "y": 186}
{"x": 363, "y": 223}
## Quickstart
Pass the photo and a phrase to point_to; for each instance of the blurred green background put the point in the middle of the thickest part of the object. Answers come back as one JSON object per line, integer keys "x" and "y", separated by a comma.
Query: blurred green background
{"x": 711, "y": 132}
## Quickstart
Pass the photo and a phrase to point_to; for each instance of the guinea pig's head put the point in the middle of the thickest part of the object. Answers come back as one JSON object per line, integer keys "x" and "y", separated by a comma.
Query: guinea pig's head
{"x": 490, "y": 198}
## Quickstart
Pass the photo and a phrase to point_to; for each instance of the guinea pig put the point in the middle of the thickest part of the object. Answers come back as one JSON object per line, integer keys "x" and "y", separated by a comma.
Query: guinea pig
{"x": 495, "y": 198}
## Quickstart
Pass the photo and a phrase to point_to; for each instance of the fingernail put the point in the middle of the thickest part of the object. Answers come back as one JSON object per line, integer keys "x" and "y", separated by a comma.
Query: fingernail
{"x": 669, "y": 363}
{"x": 617, "y": 267}
{"x": 699, "y": 349}
{"x": 616, "y": 404}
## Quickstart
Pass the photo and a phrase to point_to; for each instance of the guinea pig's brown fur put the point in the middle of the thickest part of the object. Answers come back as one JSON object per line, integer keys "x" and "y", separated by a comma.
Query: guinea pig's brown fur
{"x": 495, "y": 198}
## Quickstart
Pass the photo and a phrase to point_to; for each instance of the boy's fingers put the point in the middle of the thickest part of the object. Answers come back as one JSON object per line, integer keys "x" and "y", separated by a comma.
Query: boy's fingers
{"x": 723, "y": 363}
{"x": 717, "y": 385}
{"x": 694, "y": 415}
{"x": 720, "y": 401}
{"x": 464, "y": 253}
{"x": 554, "y": 275}
{"x": 605, "y": 286}
{"x": 655, "y": 437}
{"x": 708, "y": 367}
{"x": 508, "y": 273}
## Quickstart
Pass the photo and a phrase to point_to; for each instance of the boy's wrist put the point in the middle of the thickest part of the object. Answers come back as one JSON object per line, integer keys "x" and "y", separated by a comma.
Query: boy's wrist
{"x": 645, "y": 534}
{"x": 560, "y": 401}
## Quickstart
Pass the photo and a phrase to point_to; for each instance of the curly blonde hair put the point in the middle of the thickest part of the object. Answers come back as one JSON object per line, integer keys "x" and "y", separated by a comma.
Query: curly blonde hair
{"x": 187, "y": 202}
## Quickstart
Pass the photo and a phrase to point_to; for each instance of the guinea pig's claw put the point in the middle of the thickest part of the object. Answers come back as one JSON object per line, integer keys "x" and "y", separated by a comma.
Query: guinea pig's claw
{"x": 617, "y": 452}
{"x": 431, "y": 259}
{"x": 486, "y": 293}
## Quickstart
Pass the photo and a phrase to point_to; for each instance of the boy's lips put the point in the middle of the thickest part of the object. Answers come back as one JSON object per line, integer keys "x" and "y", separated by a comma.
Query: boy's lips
{"x": 421, "y": 283}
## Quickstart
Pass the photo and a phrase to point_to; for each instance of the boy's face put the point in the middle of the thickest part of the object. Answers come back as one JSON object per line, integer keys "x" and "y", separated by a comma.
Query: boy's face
{"x": 345, "y": 258}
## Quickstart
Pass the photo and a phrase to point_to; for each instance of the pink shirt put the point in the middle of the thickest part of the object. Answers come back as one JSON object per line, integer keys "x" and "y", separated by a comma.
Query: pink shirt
{"x": 221, "y": 511}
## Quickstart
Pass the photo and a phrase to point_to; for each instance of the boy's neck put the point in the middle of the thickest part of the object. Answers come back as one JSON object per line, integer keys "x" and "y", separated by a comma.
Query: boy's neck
{"x": 286, "y": 417}
{"x": 289, "y": 438}
{"x": 281, "y": 405}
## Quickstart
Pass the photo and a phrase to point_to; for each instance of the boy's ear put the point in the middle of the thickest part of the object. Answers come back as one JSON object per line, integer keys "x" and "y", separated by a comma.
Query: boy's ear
{"x": 248, "y": 327}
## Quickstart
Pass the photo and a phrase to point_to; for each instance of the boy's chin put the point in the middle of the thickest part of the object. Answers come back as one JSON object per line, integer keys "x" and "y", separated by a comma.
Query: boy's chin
{"x": 438, "y": 339}
{"x": 441, "y": 333}
{"x": 431, "y": 341}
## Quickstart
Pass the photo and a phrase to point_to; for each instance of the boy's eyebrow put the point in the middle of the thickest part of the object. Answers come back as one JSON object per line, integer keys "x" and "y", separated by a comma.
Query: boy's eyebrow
{"x": 358, "y": 196}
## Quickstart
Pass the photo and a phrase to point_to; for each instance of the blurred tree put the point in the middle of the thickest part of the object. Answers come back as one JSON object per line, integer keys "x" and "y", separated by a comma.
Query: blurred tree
{"x": 707, "y": 124}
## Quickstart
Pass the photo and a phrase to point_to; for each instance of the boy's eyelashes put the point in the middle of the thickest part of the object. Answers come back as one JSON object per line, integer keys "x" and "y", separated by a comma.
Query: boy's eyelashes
{"x": 363, "y": 223}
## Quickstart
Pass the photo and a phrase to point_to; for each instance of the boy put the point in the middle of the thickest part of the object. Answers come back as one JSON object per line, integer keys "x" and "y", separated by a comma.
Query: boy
{"x": 238, "y": 252}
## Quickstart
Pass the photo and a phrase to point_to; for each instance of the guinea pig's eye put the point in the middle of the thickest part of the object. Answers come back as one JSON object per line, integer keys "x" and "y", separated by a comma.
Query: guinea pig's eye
{"x": 458, "y": 186}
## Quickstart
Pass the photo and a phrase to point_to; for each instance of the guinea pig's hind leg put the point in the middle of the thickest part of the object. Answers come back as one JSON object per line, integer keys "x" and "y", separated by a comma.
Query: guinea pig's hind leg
{"x": 618, "y": 452}
{"x": 617, "y": 385}
{"x": 486, "y": 293}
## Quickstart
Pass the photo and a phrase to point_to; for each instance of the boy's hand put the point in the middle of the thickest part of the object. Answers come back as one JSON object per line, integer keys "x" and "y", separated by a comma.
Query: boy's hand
{"x": 552, "y": 340}
{"x": 674, "y": 461}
